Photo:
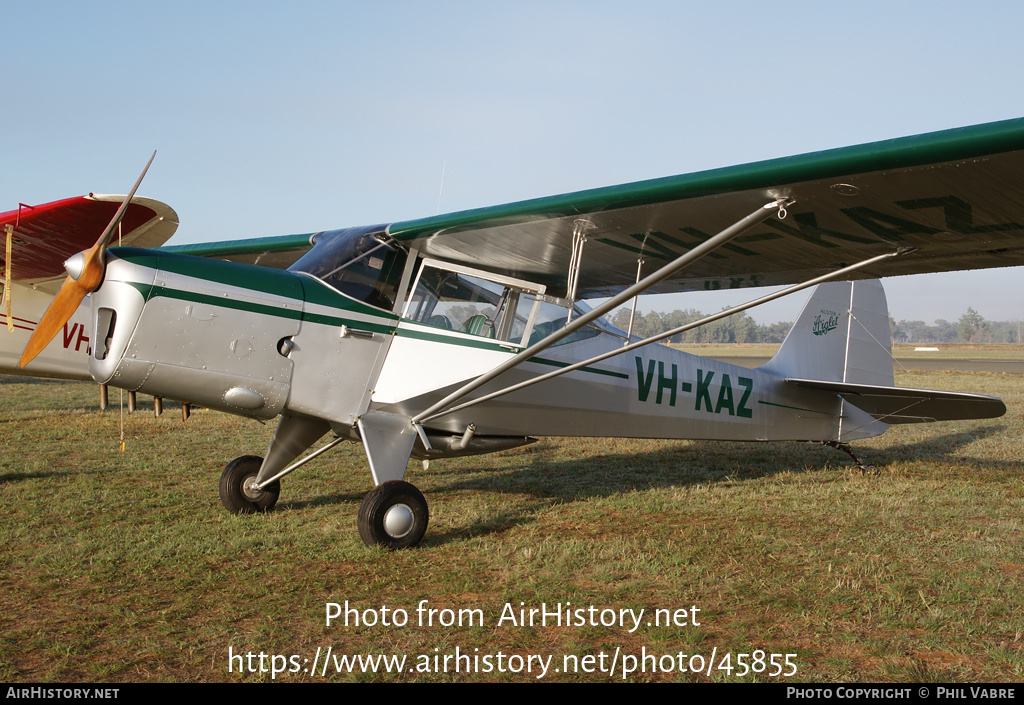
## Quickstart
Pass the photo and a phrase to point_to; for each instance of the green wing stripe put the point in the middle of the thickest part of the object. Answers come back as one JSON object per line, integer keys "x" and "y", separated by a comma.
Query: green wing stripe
{"x": 931, "y": 148}
{"x": 228, "y": 248}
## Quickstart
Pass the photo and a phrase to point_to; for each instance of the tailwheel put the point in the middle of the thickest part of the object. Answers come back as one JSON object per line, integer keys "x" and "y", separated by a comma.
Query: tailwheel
{"x": 393, "y": 515}
{"x": 237, "y": 493}
{"x": 845, "y": 447}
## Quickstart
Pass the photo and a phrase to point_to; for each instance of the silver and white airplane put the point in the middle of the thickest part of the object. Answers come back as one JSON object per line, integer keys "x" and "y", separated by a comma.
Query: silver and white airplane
{"x": 466, "y": 333}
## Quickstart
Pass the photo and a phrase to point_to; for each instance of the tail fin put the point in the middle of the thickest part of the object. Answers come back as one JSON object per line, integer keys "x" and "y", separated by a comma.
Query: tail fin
{"x": 842, "y": 335}
{"x": 841, "y": 343}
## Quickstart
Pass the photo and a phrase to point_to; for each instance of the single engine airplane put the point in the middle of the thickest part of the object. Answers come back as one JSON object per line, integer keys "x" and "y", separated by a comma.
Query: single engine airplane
{"x": 467, "y": 333}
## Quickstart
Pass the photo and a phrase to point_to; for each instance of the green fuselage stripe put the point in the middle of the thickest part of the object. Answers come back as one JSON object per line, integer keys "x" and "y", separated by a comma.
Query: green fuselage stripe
{"x": 480, "y": 343}
{"x": 296, "y": 313}
{"x": 594, "y": 370}
{"x": 795, "y": 408}
{"x": 263, "y": 309}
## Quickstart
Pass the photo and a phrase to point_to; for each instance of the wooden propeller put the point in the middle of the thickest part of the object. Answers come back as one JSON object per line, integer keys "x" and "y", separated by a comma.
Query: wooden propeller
{"x": 85, "y": 273}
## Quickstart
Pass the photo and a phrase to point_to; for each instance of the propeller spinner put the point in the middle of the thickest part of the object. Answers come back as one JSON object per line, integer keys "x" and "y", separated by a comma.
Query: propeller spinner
{"x": 85, "y": 273}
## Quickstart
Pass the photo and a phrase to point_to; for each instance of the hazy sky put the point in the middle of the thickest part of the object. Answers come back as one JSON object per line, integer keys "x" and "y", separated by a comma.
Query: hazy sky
{"x": 276, "y": 118}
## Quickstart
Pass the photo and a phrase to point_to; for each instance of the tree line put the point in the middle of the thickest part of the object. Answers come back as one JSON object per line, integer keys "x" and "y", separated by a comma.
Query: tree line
{"x": 971, "y": 327}
{"x": 737, "y": 328}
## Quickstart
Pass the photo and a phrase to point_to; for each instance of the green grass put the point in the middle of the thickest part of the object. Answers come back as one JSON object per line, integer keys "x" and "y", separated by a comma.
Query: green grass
{"x": 124, "y": 566}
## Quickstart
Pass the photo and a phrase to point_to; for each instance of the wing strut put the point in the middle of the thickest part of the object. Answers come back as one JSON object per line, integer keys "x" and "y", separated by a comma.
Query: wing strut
{"x": 734, "y": 230}
{"x": 839, "y": 273}
{"x": 579, "y": 239}
{"x": 632, "y": 310}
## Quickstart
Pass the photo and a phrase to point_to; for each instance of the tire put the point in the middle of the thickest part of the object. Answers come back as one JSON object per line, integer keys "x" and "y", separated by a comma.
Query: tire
{"x": 402, "y": 528}
{"x": 234, "y": 494}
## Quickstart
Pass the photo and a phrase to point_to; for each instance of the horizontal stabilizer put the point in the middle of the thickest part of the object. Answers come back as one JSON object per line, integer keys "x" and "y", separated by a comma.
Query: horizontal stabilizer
{"x": 904, "y": 405}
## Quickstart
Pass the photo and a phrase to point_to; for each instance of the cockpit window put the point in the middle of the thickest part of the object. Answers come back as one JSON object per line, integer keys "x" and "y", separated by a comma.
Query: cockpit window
{"x": 359, "y": 262}
{"x": 552, "y": 317}
{"x": 456, "y": 298}
{"x": 458, "y": 302}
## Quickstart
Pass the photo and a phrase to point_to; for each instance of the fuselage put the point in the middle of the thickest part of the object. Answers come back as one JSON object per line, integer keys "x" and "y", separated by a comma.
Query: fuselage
{"x": 653, "y": 392}
{"x": 259, "y": 343}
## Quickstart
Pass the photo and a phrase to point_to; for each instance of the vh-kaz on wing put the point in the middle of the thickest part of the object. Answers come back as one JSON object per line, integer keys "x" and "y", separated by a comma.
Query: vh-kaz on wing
{"x": 956, "y": 197}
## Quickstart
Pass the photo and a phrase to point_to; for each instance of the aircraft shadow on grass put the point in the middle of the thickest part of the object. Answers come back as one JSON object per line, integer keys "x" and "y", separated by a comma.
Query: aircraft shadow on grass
{"x": 48, "y": 474}
{"x": 548, "y": 482}
{"x": 16, "y": 379}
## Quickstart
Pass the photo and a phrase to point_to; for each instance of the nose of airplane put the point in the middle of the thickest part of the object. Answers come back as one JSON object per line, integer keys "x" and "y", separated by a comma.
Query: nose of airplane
{"x": 209, "y": 332}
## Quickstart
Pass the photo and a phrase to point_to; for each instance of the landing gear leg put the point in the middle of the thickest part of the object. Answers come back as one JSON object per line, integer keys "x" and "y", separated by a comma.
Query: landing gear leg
{"x": 845, "y": 447}
{"x": 237, "y": 491}
{"x": 393, "y": 515}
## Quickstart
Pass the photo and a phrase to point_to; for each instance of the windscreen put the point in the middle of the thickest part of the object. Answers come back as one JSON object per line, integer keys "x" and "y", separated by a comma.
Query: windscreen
{"x": 358, "y": 262}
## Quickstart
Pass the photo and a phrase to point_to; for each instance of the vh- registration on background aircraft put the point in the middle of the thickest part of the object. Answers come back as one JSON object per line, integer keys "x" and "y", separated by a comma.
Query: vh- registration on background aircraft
{"x": 464, "y": 333}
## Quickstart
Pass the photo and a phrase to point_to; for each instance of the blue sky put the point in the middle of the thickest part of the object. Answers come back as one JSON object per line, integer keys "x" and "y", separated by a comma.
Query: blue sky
{"x": 275, "y": 118}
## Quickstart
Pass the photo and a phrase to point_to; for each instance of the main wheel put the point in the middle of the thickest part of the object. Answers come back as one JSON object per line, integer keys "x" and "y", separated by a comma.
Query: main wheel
{"x": 394, "y": 515}
{"x": 237, "y": 493}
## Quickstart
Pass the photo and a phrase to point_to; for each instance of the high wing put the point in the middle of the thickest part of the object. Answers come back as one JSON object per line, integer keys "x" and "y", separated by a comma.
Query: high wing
{"x": 278, "y": 252}
{"x": 956, "y": 197}
{"x": 45, "y": 235}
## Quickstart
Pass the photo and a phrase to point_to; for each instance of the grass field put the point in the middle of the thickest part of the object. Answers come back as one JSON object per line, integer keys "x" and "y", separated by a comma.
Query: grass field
{"x": 961, "y": 351}
{"x": 947, "y": 351}
{"x": 124, "y": 567}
